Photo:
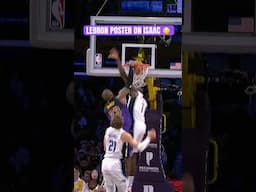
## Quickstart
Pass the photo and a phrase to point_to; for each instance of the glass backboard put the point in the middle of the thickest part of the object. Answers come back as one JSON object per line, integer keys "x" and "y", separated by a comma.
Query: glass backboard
{"x": 162, "y": 52}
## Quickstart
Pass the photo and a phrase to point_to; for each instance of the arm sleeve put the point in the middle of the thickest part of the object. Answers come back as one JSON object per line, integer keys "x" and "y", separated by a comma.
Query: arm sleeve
{"x": 143, "y": 145}
{"x": 130, "y": 77}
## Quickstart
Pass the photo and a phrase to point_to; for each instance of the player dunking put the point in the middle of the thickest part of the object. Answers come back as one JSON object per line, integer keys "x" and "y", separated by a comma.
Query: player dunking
{"x": 112, "y": 166}
{"x": 117, "y": 105}
{"x": 137, "y": 106}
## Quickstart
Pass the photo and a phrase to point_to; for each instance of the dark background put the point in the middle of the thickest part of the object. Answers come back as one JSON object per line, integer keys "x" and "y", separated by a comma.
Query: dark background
{"x": 212, "y": 16}
{"x": 36, "y": 144}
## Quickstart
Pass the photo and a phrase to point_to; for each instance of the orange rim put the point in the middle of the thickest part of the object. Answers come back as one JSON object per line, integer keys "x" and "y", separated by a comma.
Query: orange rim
{"x": 141, "y": 64}
{"x": 140, "y": 68}
{"x": 137, "y": 64}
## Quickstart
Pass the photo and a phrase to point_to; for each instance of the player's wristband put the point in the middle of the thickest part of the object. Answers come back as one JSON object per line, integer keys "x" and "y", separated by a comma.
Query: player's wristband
{"x": 143, "y": 145}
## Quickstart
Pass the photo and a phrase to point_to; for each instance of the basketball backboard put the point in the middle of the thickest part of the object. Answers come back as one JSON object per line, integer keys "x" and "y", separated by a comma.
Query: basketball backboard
{"x": 163, "y": 53}
{"x": 51, "y": 24}
{"x": 149, "y": 51}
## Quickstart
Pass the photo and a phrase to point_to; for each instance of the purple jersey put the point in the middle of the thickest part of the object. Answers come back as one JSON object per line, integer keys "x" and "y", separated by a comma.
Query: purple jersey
{"x": 117, "y": 105}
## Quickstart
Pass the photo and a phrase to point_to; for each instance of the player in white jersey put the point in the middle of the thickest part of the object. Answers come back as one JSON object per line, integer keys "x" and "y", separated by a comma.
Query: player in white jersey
{"x": 137, "y": 106}
{"x": 112, "y": 165}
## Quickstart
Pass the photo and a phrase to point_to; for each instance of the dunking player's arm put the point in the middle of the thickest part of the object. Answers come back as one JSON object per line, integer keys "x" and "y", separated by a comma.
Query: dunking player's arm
{"x": 122, "y": 95}
{"x": 108, "y": 95}
{"x": 128, "y": 80}
{"x": 114, "y": 54}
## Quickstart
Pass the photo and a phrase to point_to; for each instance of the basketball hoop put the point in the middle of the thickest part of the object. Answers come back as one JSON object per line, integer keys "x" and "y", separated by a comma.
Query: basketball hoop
{"x": 140, "y": 72}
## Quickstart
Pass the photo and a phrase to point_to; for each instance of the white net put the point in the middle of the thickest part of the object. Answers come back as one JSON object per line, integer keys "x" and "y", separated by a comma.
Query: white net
{"x": 138, "y": 77}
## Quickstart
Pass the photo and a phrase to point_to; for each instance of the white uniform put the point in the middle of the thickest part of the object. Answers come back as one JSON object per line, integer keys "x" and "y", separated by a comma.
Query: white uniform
{"x": 138, "y": 114}
{"x": 112, "y": 167}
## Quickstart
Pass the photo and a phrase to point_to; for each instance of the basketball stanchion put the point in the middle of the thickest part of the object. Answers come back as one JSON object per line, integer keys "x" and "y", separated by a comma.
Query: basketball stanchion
{"x": 150, "y": 175}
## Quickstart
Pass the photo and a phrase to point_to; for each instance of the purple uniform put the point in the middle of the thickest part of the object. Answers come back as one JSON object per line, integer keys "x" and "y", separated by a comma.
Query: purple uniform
{"x": 116, "y": 106}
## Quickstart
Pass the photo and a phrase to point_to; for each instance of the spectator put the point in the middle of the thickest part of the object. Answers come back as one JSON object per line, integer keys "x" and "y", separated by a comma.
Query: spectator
{"x": 95, "y": 175}
{"x": 188, "y": 183}
{"x": 94, "y": 182}
{"x": 87, "y": 176}
{"x": 175, "y": 183}
{"x": 79, "y": 184}
{"x": 84, "y": 162}
{"x": 164, "y": 157}
{"x": 93, "y": 186}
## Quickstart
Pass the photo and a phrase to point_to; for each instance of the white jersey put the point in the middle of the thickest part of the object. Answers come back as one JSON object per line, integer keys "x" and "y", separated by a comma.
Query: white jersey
{"x": 139, "y": 107}
{"x": 114, "y": 144}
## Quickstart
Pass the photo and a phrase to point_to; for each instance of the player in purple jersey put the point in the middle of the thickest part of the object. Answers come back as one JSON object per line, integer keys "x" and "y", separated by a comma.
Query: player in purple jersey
{"x": 117, "y": 105}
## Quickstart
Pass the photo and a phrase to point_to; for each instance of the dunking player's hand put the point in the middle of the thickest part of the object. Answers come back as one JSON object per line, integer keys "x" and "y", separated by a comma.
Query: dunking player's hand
{"x": 114, "y": 54}
{"x": 152, "y": 134}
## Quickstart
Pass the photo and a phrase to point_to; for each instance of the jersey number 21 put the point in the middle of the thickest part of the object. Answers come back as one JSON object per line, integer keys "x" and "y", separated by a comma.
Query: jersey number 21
{"x": 112, "y": 146}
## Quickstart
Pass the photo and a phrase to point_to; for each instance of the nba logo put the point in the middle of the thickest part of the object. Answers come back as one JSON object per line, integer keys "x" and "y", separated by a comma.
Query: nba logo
{"x": 57, "y": 14}
{"x": 98, "y": 60}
